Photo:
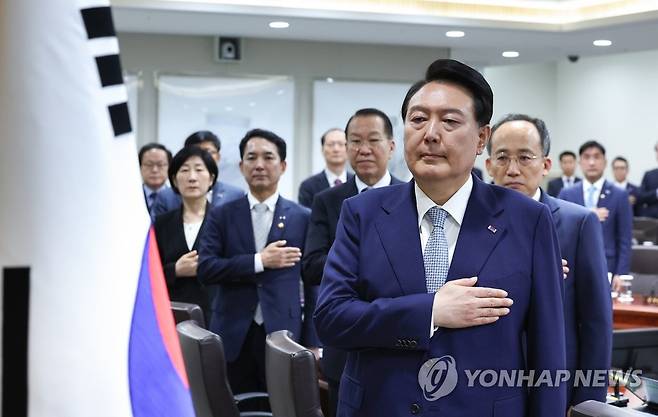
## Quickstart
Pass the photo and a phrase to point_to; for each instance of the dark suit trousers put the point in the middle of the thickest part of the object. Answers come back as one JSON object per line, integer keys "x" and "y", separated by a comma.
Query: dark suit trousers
{"x": 247, "y": 372}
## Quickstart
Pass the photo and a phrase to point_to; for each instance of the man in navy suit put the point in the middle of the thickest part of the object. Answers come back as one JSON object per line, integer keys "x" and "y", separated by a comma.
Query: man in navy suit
{"x": 221, "y": 193}
{"x": 250, "y": 251}
{"x": 519, "y": 149}
{"x": 370, "y": 146}
{"x": 610, "y": 204}
{"x": 334, "y": 150}
{"x": 434, "y": 283}
{"x": 620, "y": 172}
{"x": 568, "y": 167}
{"x": 647, "y": 199}
{"x": 154, "y": 160}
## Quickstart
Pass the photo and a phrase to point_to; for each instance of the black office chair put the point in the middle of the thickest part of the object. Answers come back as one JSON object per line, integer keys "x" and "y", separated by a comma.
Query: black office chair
{"x": 186, "y": 311}
{"x": 645, "y": 229}
{"x": 205, "y": 363}
{"x": 592, "y": 408}
{"x": 644, "y": 259}
{"x": 292, "y": 380}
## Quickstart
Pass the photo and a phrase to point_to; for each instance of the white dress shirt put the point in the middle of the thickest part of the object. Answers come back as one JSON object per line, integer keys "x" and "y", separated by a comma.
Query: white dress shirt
{"x": 621, "y": 185}
{"x": 331, "y": 177}
{"x": 270, "y": 202}
{"x": 456, "y": 208}
{"x": 383, "y": 182}
{"x": 598, "y": 185}
{"x": 191, "y": 231}
{"x": 565, "y": 181}
{"x": 537, "y": 195}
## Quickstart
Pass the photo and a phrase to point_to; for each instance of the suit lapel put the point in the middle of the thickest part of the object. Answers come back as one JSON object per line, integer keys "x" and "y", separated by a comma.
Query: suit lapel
{"x": 578, "y": 192}
{"x": 604, "y": 197}
{"x": 482, "y": 228}
{"x": 279, "y": 220}
{"x": 242, "y": 218}
{"x": 400, "y": 224}
{"x": 179, "y": 228}
{"x": 553, "y": 206}
{"x": 203, "y": 224}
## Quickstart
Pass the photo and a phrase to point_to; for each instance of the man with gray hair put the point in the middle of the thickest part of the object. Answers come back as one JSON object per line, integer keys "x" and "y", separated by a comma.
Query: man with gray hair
{"x": 518, "y": 159}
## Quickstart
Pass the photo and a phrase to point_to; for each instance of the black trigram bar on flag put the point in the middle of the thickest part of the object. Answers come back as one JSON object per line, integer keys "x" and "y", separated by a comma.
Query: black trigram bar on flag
{"x": 15, "y": 319}
{"x": 98, "y": 24}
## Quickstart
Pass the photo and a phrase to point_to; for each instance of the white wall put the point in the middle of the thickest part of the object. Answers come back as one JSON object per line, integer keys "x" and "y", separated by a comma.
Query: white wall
{"x": 528, "y": 89}
{"x": 612, "y": 99}
{"x": 148, "y": 54}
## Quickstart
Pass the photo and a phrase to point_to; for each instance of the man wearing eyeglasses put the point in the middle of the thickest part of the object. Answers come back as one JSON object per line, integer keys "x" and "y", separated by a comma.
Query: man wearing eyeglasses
{"x": 370, "y": 146}
{"x": 518, "y": 159}
{"x": 154, "y": 161}
{"x": 445, "y": 276}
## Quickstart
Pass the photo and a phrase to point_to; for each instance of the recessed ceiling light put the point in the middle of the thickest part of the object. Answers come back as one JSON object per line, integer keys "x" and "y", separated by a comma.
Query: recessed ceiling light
{"x": 330, "y": 80}
{"x": 455, "y": 34}
{"x": 279, "y": 25}
{"x": 602, "y": 42}
{"x": 511, "y": 54}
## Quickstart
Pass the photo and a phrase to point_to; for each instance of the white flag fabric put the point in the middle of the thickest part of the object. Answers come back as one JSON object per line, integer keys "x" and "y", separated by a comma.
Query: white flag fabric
{"x": 101, "y": 339}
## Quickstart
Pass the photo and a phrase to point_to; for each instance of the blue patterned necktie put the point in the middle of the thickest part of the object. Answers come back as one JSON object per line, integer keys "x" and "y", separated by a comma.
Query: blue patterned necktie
{"x": 435, "y": 256}
{"x": 590, "y": 197}
{"x": 151, "y": 203}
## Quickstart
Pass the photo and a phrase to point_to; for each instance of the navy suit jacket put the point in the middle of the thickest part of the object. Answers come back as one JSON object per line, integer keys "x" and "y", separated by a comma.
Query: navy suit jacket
{"x": 226, "y": 259}
{"x": 617, "y": 228}
{"x": 320, "y": 237}
{"x": 313, "y": 185}
{"x": 555, "y": 186}
{"x": 166, "y": 200}
{"x": 221, "y": 193}
{"x": 374, "y": 303}
{"x": 587, "y": 303}
{"x": 646, "y": 198}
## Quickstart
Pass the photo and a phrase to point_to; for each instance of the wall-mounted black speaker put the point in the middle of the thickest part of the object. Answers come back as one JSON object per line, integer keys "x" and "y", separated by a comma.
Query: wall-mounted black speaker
{"x": 228, "y": 49}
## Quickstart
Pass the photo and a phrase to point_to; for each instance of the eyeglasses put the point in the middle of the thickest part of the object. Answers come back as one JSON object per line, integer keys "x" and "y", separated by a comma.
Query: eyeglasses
{"x": 151, "y": 165}
{"x": 357, "y": 144}
{"x": 524, "y": 159}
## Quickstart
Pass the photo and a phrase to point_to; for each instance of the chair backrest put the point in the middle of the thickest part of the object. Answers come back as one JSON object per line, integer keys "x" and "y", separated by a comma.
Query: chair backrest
{"x": 644, "y": 260}
{"x": 645, "y": 229}
{"x": 203, "y": 353}
{"x": 592, "y": 408}
{"x": 292, "y": 380}
{"x": 186, "y": 311}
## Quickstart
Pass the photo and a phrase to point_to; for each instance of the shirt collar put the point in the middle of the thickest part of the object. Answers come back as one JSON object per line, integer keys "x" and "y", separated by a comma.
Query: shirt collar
{"x": 331, "y": 177}
{"x": 383, "y": 182}
{"x": 270, "y": 202}
{"x": 598, "y": 184}
{"x": 455, "y": 206}
{"x": 621, "y": 185}
{"x": 148, "y": 190}
{"x": 537, "y": 195}
{"x": 572, "y": 178}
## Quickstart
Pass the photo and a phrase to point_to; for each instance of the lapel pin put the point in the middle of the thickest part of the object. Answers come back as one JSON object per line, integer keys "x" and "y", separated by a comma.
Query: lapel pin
{"x": 280, "y": 225}
{"x": 492, "y": 229}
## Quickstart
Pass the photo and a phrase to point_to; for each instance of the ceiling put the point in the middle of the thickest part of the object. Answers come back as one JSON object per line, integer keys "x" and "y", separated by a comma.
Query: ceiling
{"x": 539, "y": 30}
